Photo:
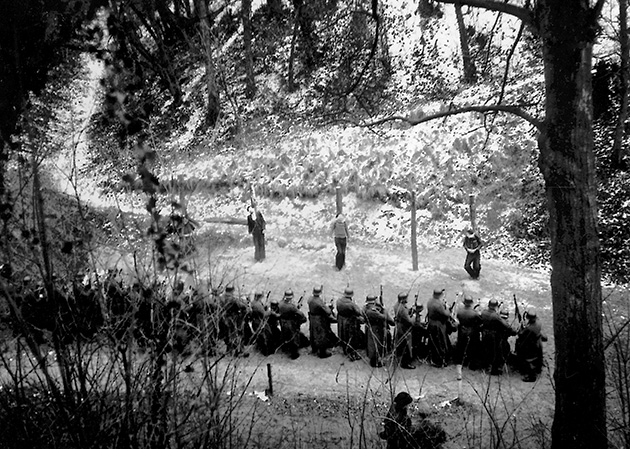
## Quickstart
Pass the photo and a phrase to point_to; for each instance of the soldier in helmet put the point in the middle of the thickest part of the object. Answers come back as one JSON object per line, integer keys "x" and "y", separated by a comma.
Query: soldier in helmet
{"x": 529, "y": 350}
{"x": 438, "y": 316}
{"x": 403, "y": 335}
{"x": 468, "y": 336}
{"x": 350, "y": 318}
{"x": 377, "y": 322}
{"x": 291, "y": 318}
{"x": 235, "y": 313}
{"x": 259, "y": 317}
{"x": 494, "y": 330}
{"x": 320, "y": 318}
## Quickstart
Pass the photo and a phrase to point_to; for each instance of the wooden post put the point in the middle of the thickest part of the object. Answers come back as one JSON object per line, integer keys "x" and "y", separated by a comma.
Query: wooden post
{"x": 270, "y": 389}
{"x": 473, "y": 212}
{"x": 339, "y": 199}
{"x": 414, "y": 235}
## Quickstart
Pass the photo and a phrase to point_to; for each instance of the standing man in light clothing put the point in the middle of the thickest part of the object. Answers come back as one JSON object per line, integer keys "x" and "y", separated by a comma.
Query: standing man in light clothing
{"x": 339, "y": 230}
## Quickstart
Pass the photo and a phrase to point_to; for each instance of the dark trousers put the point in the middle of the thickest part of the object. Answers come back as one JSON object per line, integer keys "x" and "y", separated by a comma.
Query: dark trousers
{"x": 340, "y": 259}
{"x": 259, "y": 246}
{"x": 473, "y": 264}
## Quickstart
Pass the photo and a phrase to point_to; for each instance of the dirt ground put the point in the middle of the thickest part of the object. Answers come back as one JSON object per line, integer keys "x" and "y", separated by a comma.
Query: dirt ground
{"x": 312, "y": 398}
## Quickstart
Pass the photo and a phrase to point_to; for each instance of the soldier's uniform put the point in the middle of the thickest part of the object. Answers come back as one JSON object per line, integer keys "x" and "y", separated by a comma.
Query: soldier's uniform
{"x": 377, "y": 322}
{"x": 259, "y": 318}
{"x": 291, "y": 318}
{"x": 438, "y": 317}
{"x": 403, "y": 334}
{"x": 235, "y": 313}
{"x": 529, "y": 351}
{"x": 350, "y": 318}
{"x": 493, "y": 333}
{"x": 468, "y": 335}
{"x": 320, "y": 317}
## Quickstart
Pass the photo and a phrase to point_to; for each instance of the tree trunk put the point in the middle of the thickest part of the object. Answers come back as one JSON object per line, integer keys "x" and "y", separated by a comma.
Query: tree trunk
{"x": 567, "y": 162}
{"x": 304, "y": 17}
{"x": 212, "y": 114}
{"x": 470, "y": 71}
{"x": 624, "y": 48}
{"x": 291, "y": 69}
{"x": 250, "y": 82}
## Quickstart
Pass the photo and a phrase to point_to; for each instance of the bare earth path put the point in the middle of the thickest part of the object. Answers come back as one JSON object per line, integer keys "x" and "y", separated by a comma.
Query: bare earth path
{"x": 302, "y": 264}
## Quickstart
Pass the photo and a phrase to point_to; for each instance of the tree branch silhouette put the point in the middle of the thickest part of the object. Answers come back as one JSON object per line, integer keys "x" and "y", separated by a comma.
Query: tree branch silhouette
{"x": 517, "y": 11}
{"x": 509, "y": 109}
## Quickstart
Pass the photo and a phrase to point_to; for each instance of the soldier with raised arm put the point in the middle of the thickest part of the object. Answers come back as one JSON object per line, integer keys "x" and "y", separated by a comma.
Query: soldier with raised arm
{"x": 494, "y": 330}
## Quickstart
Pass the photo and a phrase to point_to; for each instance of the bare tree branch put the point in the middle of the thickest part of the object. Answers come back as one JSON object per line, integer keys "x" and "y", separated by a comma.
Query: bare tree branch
{"x": 515, "y": 110}
{"x": 517, "y": 11}
{"x": 506, "y": 73}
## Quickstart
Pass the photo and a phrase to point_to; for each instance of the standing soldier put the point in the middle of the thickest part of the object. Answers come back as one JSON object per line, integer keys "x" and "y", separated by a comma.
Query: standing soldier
{"x": 472, "y": 245}
{"x": 402, "y": 337}
{"x": 420, "y": 333}
{"x": 320, "y": 317}
{"x": 260, "y": 326}
{"x": 529, "y": 350}
{"x": 339, "y": 230}
{"x": 377, "y": 321}
{"x": 468, "y": 336}
{"x": 273, "y": 325}
{"x": 291, "y": 318}
{"x": 256, "y": 225}
{"x": 350, "y": 318}
{"x": 235, "y": 314}
{"x": 494, "y": 328}
{"x": 438, "y": 316}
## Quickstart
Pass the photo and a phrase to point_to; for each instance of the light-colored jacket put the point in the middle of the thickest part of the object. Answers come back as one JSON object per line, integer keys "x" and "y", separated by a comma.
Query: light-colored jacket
{"x": 339, "y": 228}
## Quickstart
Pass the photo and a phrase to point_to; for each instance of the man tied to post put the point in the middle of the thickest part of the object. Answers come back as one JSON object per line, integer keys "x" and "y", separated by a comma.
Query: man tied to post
{"x": 256, "y": 226}
{"x": 472, "y": 244}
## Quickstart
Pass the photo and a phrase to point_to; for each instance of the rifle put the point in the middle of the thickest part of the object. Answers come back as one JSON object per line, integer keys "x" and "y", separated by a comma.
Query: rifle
{"x": 299, "y": 303}
{"x": 452, "y": 320}
{"x": 380, "y": 296}
{"x": 415, "y": 304}
{"x": 517, "y": 312}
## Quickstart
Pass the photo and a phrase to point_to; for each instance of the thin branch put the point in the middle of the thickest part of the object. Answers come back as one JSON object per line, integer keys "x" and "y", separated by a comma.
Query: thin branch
{"x": 509, "y": 60}
{"x": 517, "y": 11}
{"x": 515, "y": 110}
{"x": 377, "y": 19}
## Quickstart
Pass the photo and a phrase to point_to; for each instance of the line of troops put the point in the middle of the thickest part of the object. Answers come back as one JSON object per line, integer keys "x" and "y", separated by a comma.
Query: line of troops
{"x": 481, "y": 343}
{"x": 184, "y": 316}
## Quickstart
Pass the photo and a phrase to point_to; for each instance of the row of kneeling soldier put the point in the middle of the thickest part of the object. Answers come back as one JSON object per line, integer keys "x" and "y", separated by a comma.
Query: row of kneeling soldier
{"x": 481, "y": 335}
